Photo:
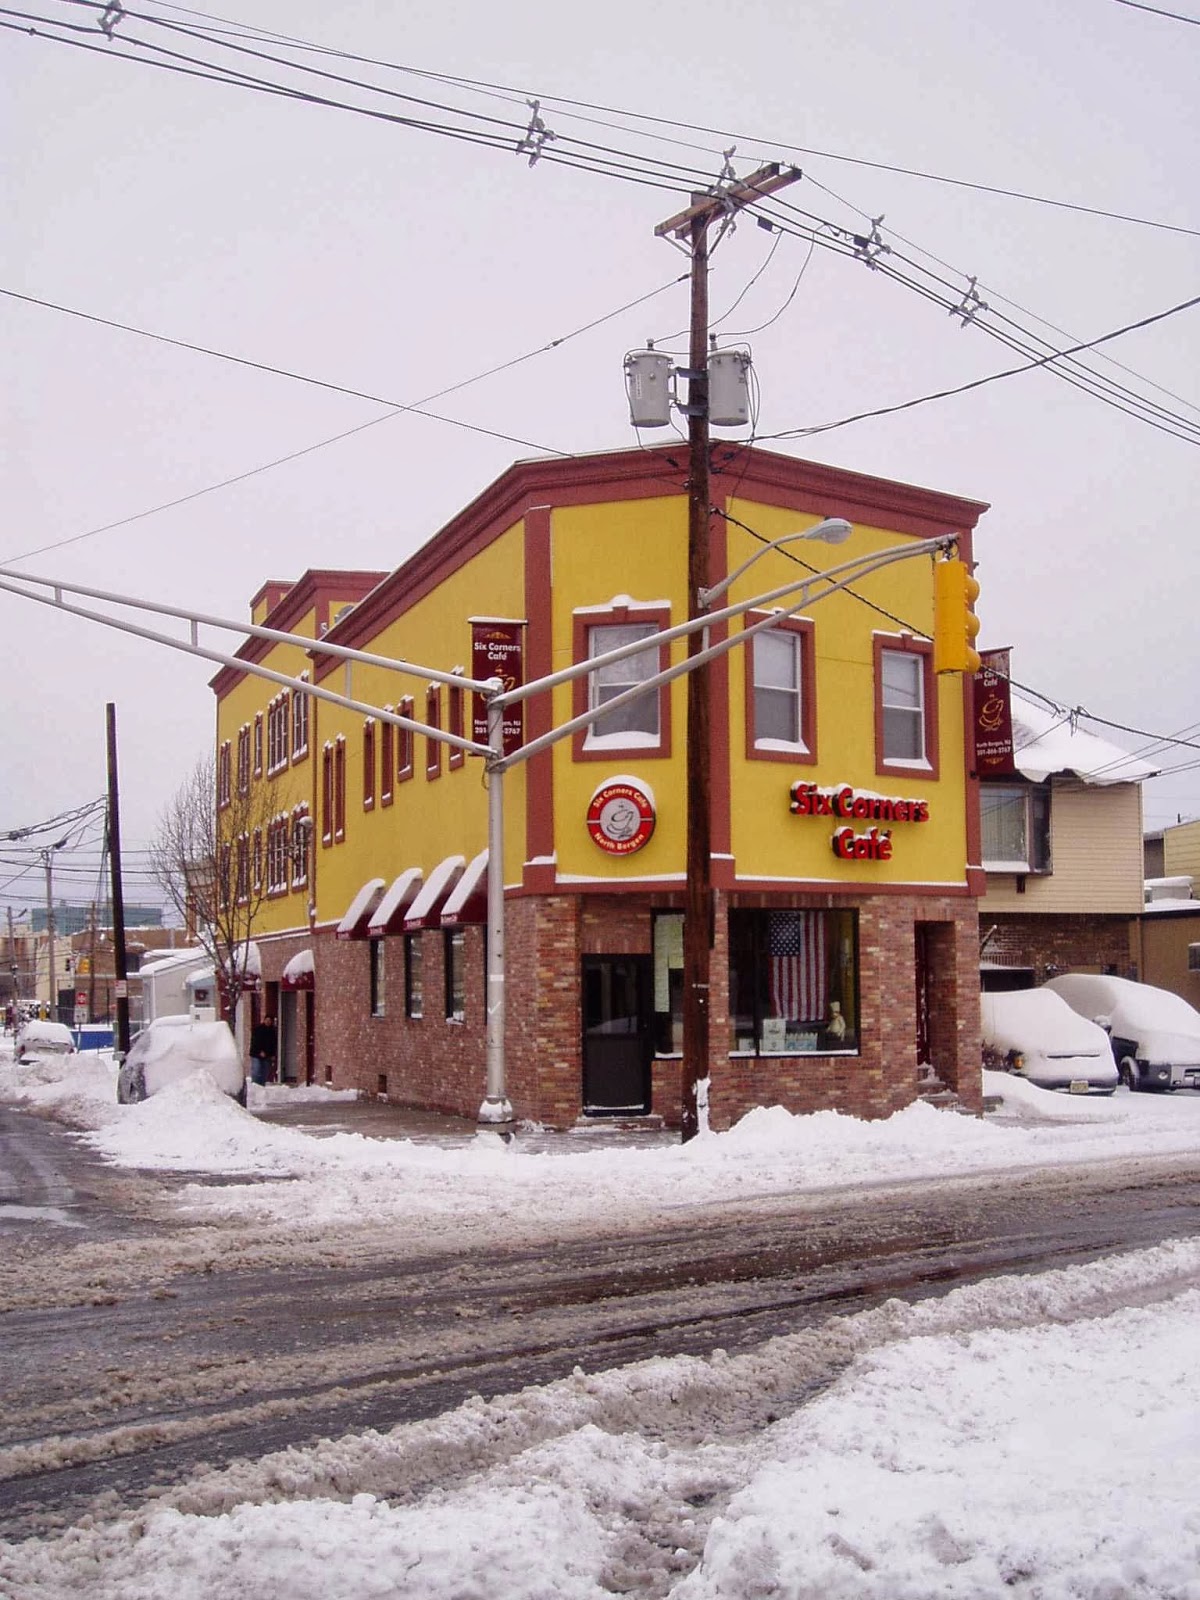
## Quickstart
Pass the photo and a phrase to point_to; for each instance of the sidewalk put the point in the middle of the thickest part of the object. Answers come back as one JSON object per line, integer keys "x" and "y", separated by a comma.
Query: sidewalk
{"x": 378, "y": 1119}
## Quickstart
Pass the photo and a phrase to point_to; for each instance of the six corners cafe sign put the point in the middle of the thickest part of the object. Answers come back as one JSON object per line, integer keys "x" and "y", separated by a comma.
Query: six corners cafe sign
{"x": 864, "y": 834}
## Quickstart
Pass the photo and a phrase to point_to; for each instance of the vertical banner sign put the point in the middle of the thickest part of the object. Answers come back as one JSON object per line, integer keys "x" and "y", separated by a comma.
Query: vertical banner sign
{"x": 993, "y": 716}
{"x": 498, "y": 651}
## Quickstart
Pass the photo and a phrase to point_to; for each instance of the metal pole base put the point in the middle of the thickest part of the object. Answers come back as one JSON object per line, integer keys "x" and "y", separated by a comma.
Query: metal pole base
{"x": 495, "y": 1121}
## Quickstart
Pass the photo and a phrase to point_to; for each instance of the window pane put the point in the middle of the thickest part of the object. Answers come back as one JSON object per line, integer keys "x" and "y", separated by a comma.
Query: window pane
{"x": 668, "y": 982}
{"x": 902, "y": 696}
{"x": 413, "y": 998}
{"x": 793, "y": 981}
{"x": 777, "y": 680}
{"x": 1004, "y": 828}
{"x": 607, "y": 682}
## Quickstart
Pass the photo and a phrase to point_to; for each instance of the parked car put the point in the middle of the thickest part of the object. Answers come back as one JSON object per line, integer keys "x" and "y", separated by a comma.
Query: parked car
{"x": 171, "y": 1048}
{"x": 36, "y": 1040}
{"x": 1155, "y": 1035}
{"x": 1036, "y": 1034}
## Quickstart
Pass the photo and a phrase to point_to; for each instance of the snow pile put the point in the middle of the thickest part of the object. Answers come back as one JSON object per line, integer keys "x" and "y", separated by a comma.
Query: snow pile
{"x": 998, "y": 1440}
{"x": 79, "y": 1089}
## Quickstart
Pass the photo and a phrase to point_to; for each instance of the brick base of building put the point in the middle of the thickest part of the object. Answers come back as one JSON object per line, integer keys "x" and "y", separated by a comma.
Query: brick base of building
{"x": 1045, "y": 945}
{"x": 438, "y": 1063}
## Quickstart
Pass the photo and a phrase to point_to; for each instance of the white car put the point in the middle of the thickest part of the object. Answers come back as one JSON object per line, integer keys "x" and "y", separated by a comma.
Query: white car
{"x": 172, "y": 1048}
{"x": 36, "y": 1040}
{"x": 1155, "y": 1034}
{"x": 1035, "y": 1033}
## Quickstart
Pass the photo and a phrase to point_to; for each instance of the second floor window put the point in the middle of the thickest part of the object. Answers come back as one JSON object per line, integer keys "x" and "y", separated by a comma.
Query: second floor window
{"x": 368, "y": 763}
{"x": 300, "y": 720}
{"x": 224, "y": 774}
{"x": 243, "y": 760}
{"x": 781, "y": 692}
{"x": 637, "y": 722}
{"x": 404, "y": 743}
{"x": 278, "y": 719}
{"x": 1015, "y": 827}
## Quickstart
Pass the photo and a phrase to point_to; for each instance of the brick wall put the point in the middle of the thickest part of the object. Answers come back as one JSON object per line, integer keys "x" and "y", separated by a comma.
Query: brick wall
{"x": 441, "y": 1065}
{"x": 1062, "y": 943}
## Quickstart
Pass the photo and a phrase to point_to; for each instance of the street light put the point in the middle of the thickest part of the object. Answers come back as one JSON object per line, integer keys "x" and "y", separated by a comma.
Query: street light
{"x": 833, "y": 530}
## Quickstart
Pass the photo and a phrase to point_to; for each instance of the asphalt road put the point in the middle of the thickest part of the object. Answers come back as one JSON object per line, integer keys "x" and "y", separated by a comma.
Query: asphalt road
{"x": 137, "y": 1347}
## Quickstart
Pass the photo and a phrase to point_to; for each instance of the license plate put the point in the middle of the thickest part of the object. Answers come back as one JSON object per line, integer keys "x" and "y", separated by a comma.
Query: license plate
{"x": 1079, "y": 1086}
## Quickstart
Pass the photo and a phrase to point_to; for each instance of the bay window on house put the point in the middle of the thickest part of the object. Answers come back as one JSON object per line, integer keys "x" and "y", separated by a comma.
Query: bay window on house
{"x": 793, "y": 982}
{"x": 1015, "y": 827}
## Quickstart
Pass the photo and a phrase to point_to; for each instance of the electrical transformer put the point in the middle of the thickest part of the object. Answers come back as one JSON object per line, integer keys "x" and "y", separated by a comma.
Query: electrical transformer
{"x": 648, "y": 384}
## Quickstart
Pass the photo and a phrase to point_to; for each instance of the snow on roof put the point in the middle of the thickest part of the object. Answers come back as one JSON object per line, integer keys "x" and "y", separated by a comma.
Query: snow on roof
{"x": 1047, "y": 742}
{"x": 168, "y": 960}
{"x": 472, "y": 883}
{"x": 439, "y": 883}
{"x": 403, "y": 889}
{"x": 360, "y": 907}
{"x": 301, "y": 963}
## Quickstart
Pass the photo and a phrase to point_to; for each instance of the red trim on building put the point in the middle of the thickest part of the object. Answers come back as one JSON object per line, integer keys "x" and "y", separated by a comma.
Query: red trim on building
{"x": 539, "y": 780}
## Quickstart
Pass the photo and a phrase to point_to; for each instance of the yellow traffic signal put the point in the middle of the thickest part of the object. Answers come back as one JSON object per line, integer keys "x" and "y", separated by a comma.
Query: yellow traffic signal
{"x": 955, "y": 625}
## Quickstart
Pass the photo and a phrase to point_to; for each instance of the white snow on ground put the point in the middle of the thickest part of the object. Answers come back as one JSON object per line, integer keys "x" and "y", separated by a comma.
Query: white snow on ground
{"x": 1028, "y": 1436}
{"x": 1034, "y": 1436}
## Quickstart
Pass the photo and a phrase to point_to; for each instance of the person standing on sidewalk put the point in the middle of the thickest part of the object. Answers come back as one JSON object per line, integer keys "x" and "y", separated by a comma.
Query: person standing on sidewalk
{"x": 264, "y": 1042}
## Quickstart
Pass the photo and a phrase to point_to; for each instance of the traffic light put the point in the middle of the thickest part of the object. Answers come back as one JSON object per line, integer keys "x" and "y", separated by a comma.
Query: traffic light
{"x": 955, "y": 625}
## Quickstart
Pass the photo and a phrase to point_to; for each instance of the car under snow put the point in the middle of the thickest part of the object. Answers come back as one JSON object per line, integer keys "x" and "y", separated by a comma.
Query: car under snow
{"x": 1035, "y": 1033}
{"x": 1155, "y": 1034}
{"x": 36, "y": 1040}
{"x": 172, "y": 1048}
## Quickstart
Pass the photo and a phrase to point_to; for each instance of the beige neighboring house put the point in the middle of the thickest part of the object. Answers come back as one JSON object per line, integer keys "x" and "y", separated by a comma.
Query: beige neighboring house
{"x": 1168, "y": 932}
{"x": 1061, "y": 842}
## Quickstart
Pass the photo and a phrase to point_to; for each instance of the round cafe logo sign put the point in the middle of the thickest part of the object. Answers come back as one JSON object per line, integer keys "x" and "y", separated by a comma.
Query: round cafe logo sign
{"x": 620, "y": 817}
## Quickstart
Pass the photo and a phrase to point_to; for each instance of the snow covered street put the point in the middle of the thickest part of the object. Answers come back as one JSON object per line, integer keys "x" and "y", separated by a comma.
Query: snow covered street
{"x": 1033, "y": 1435}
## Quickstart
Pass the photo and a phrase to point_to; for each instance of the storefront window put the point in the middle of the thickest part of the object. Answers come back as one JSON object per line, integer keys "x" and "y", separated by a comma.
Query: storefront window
{"x": 668, "y": 982}
{"x": 413, "y": 987}
{"x": 456, "y": 974}
{"x": 378, "y": 992}
{"x": 793, "y": 982}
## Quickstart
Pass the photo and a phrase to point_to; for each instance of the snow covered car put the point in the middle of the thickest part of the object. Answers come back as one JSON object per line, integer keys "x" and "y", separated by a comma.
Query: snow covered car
{"x": 1155, "y": 1034}
{"x": 1035, "y": 1033}
{"x": 36, "y": 1040}
{"x": 172, "y": 1048}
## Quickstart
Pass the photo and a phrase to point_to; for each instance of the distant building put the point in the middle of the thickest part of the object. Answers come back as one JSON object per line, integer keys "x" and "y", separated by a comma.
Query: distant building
{"x": 77, "y": 918}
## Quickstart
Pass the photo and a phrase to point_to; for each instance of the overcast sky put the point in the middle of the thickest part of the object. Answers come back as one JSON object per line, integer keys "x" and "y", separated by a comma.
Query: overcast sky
{"x": 395, "y": 262}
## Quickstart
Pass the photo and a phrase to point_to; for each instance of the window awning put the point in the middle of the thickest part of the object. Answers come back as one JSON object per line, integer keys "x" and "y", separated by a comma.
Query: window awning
{"x": 354, "y": 924}
{"x": 388, "y": 916}
{"x": 299, "y": 972}
{"x": 467, "y": 901}
{"x": 426, "y": 909}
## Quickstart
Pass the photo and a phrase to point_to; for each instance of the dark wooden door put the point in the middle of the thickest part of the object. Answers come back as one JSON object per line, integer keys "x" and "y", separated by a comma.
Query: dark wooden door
{"x": 618, "y": 1038}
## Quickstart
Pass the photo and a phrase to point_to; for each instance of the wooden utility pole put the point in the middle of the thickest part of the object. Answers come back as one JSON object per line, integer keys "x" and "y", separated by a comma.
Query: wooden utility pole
{"x": 118, "y": 897}
{"x": 692, "y": 226}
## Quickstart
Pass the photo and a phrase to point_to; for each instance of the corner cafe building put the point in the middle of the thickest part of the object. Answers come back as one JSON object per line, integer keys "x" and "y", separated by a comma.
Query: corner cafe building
{"x": 845, "y": 831}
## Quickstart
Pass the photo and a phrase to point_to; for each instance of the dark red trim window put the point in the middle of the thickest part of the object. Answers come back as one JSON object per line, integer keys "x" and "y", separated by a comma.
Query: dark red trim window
{"x": 300, "y": 721}
{"x": 339, "y": 788}
{"x": 781, "y": 699}
{"x": 327, "y": 795}
{"x": 224, "y": 774}
{"x": 258, "y": 744}
{"x": 906, "y": 727}
{"x": 387, "y": 761}
{"x": 301, "y": 832}
{"x": 405, "y": 759}
{"x": 642, "y": 727}
{"x": 433, "y": 719}
{"x": 368, "y": 756}
{"x": 454, "y": 723}
{"x": 243, "y": 759}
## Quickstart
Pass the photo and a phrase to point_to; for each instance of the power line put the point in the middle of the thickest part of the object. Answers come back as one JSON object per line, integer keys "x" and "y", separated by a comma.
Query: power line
{"x": 395, "y": 408}
{"x": 1159, "y": 12}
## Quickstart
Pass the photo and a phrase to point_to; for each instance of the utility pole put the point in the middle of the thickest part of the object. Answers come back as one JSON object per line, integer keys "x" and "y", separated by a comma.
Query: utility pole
{"x": 692, "y": 226}
{"x": 118, "y": 898}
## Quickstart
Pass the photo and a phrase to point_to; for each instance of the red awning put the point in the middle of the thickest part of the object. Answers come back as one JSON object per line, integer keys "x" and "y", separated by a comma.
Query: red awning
{"x": 426, "y": 909}
{"x": 299, "y": 973}
{"x": 388, "y": 916}
{"x": 467, "y": 901}
{"x": 354, "y": 924}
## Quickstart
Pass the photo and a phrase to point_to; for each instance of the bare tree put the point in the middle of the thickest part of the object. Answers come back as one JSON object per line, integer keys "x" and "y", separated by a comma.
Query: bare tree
{"x": 214, "y": 862}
